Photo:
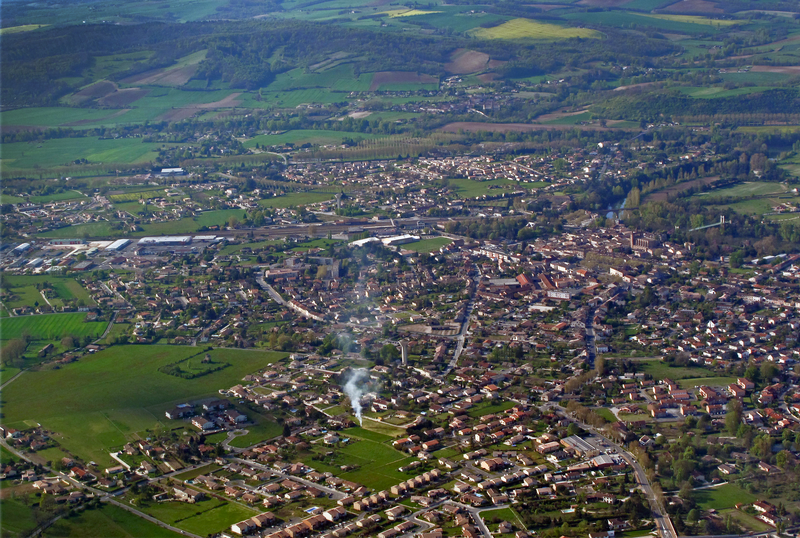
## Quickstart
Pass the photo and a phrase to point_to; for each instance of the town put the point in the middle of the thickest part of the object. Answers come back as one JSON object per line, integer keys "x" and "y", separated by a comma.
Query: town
{"x": 436, "y": 347}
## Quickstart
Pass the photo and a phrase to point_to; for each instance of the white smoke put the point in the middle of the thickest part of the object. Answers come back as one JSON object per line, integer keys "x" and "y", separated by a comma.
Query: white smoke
{"x": 355, "y": 387}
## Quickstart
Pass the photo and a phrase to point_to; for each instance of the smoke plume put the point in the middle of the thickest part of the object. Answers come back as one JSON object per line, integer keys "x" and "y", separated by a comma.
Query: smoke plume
{"x": 355, "y": 386}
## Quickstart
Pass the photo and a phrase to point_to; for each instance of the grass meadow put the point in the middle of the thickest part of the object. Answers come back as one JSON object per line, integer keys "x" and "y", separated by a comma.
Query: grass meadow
{"x": 110, "y": 397}
{"x": 108, "y": 521}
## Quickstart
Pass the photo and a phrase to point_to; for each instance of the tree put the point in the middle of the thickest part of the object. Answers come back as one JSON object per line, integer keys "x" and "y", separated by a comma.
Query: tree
{"x": 68, "y": 342}
{"x": 733, "y": 418}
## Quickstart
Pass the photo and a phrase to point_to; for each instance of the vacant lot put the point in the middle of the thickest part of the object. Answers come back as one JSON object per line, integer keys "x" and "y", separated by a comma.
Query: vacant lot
{"x": 108, "y": 398}
{"x": 528, "y": 29}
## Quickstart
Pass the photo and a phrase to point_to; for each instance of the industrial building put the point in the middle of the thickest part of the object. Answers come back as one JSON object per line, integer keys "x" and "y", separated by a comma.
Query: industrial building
{"x": 166, "y": 240}
{"x": 118, "y": 245}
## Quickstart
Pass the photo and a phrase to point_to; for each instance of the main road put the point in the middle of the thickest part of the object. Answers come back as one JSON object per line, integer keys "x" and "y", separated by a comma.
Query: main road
{"x": 462, "y": 333}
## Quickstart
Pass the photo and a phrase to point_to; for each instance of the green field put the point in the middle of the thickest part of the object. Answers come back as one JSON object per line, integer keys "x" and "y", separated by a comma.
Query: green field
{"x": 469, "y": 188}
{"x": 51, "y": 326}
{"x": 58, "y": 197}
{"x": 107, "y": 398}
{"x": 63, "y": 151}
{"x": 295, "y": 199}
{"x": 428, "y": 245}
{"x": 529, "y": 29}
{"x": 713, "y": 92}
{"x": 377, "y": 460}
{"x": 622, "y": 19}
{"x": 305, "y": 136}
{"x": 109, "y": 521}
{"x": 22, "y": 290}
{"x": 263, "y": 430}
{"x": 722, "y": 497}
{"x": 17, "y": 520}
{"x": 746, "y": 189}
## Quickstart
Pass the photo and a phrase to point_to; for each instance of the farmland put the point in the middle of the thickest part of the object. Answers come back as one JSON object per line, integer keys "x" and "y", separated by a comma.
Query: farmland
{"x": 529, "y": 29}
{"x": 60, "y": 152}
{"x": 108, "y": 398}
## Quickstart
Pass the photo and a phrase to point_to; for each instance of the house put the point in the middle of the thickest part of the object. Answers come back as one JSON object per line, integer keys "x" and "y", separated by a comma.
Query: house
{"x": 187, "y": 495}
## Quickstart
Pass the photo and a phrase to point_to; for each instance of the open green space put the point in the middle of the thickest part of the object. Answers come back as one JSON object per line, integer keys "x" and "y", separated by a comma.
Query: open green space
{"x": 490, "y": 408}
{"x": 661, "y": 370}
{"x": 722, "y": 497}
{"x": 49, "y": 117}
{"x": 51, "y": 326}
{"x": 494, "y": 517}
{"x": 64, "y": 151}
{"x": 58, "y": 197}
{"x": 216, "y": 519}
{"x": 428, "y": 245}
{"x": 17, "y": 518}
{"x": 469, "y": 188}
{"x": 623, "y": 19}
{"x": 710, "y": 381}
{"x": 22, "y": 290}
{"x": 108, "y": 521}
{"x": 308, "y": 136}
{"x": 606, "y": 414}
{"x": 262, "y": 430}
{"x": 749, "y": 188}
{"x": 713, "y": 92}
{"x": 295, "y": 199}
{"x": 110, "y": 397}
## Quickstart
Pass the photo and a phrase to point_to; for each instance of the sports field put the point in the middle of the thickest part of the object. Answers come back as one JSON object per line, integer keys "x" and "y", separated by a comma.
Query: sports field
{"x": 110, "y": 397}
{"x": 51, "y": 326}
{"x": 428, "y": 245}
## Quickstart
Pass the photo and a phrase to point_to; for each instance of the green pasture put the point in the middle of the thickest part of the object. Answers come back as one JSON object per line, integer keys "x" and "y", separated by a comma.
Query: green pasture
{"x": 17, "y": 520}
{"x": 570, "y": 120}
{"x": 713, "y": 92}
{"x": 108, "y": 398}
{"x": 428, "y": 245}
{"x": 217, "y": 519}
{"x": 489, "y": 408}
{"x": 757, "y": 206}
{"x": 456, "y": 19}
{"x": 757, "y": 78}
{"x": 295, "y": 98}
{"x": 622, "y": 19}
{"x": 104, "y": 66}
{"x": 51, "y": 326}
{"x": 338, "y": 78}
{"x": 49, "y": 117}
{"x": 218, "y": 217}
{"x": 63, "y": 151}
{"x": 743, "y": 190}
{"x": 108, "y": 521}
{"x": 124, "y": 12}
{"x": 661, "y": 370}
{"x": 647, "y": 5}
